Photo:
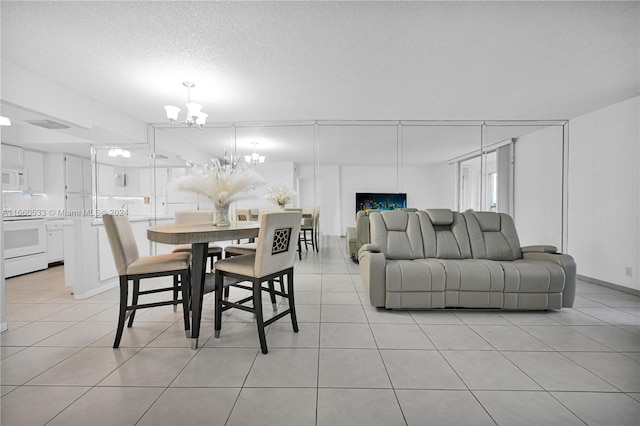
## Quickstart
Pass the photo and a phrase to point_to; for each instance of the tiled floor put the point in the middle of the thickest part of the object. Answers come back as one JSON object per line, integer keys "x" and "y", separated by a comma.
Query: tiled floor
{"x": 350, "y": 364}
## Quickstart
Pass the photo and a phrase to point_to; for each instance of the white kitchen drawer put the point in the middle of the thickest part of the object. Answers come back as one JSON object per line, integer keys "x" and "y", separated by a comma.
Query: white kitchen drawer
{"x": 54, "y": 225}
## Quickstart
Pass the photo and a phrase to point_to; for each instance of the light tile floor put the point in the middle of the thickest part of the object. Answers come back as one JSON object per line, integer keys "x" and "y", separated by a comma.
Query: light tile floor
{"x": 350, "y": 364}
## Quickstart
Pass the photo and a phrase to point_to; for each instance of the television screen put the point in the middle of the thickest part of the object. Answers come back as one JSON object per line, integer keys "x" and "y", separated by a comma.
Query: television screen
{"x": 380, "y": 201}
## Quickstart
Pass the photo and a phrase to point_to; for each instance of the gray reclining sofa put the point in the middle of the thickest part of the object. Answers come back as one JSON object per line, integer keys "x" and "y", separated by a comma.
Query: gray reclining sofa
{"x": 437, "y": 258}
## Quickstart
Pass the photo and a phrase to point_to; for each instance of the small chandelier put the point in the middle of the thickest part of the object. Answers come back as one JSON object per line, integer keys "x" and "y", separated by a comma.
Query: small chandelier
{"x": 254, "y": 157}
{"x": 119, "y": 152}
{"x": 194, "y": 117}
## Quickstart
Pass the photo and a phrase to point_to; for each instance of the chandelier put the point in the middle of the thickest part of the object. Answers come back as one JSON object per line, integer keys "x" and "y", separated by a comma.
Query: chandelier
{"x": 194, "y": 117}
{"x": 119, "y": 152}
{"x": 254, "y": 157}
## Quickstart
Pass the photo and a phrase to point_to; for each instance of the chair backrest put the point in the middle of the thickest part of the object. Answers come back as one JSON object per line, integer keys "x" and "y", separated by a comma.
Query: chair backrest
{"x": 444, "y": 234}
{"x": 493, "y": 236}
{"x": 397, "y": 234}
{"x": 122, "y": 241}
{"x": 277, "y": 242}
{"x": 188, "y": 217}
{"x": 243, "y": 215}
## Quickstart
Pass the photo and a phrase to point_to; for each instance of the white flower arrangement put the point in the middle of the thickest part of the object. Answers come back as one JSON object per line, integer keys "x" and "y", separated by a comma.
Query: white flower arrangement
{"x": 222, "y": 183}
{"x": 280, "y": 195}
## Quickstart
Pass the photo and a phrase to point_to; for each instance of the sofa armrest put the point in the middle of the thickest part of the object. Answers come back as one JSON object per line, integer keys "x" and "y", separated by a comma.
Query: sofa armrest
{"x": 371, "y": 248}
{"x": 372, "y": 264}
{"x": 539, "y": 249}
{"x": 568, "y": 264}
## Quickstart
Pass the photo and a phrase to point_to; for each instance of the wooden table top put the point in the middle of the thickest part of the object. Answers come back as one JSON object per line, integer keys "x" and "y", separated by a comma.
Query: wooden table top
{"x": 202, "y": 232}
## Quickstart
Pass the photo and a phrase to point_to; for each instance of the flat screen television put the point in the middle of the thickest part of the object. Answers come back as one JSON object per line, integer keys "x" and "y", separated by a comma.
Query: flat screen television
{"x": 380, "y": 201}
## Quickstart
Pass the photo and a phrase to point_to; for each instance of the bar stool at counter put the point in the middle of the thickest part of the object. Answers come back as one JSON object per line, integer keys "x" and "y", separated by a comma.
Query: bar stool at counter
{"x": 273, "y": 259}
{"x": 132, "y": 267}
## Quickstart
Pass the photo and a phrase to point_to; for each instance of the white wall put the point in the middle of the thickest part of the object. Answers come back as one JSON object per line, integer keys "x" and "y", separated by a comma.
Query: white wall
{"x": 604, "y": 193}
{"x": 538, "y": 187}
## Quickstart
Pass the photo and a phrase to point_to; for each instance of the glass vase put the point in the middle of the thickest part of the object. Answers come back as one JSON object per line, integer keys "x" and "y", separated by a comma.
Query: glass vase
{"x": 222, "y": 215}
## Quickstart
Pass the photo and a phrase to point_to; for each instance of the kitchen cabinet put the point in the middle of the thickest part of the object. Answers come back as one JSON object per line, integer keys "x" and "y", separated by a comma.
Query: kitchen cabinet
{"x": 106, "y": 180}
{"x": 147, "y": 181}
{"x": 88, "y": 265}
{"x": 12, "y": 156}
{"x": 73, "y": 169}
{"x": 77, "y": 182}
{"x": 55, "y": 242}
{"x": 86, "y": 176}
{"x": 34, "y": 168}
{"x": 77, "y": 202}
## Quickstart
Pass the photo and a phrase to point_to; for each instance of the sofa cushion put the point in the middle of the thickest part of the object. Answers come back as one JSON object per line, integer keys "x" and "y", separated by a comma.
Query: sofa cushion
{"x": 418, "y": 275}
{"x": 447, "y": 238}
{"x": 416, "y": 283}
{"x": 488, "y": 221}
{"x": 473, "y": 283}
{"x": 440, "y": 216}
{"x": 492, "y": 236}
{"x": 397, "y": 233}
{"x": 527, "y": 276}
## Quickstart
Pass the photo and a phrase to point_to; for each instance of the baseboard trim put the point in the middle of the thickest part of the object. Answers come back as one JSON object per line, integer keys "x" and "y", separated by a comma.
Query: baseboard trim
{"x": 609, "y": 285}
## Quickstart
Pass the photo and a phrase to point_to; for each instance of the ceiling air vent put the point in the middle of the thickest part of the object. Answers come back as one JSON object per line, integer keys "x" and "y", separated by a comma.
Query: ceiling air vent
{"x": 48, "y": 124}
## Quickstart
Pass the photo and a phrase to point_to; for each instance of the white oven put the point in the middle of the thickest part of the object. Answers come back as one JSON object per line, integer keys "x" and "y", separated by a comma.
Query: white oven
{"x": 25, "y": 246}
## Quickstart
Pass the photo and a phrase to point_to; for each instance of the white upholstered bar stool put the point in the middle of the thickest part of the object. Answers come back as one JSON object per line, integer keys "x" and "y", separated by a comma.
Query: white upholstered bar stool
{"x": 132, "y": 267}
{"x": 273, "y": 259}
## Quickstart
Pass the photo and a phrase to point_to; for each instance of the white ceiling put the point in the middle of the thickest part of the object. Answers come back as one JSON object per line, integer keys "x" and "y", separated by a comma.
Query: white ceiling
{"x": 266, "y": 61}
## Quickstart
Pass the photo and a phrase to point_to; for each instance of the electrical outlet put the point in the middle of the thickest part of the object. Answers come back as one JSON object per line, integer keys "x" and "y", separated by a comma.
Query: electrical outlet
{"x": 628, "y": 271}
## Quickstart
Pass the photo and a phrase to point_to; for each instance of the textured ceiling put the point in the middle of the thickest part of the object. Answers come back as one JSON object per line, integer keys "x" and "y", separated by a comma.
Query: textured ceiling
{"x": 262, "y": 61}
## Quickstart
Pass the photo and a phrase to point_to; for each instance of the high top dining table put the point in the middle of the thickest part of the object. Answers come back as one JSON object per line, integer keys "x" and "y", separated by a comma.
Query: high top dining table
{"x": 199, "y": 236}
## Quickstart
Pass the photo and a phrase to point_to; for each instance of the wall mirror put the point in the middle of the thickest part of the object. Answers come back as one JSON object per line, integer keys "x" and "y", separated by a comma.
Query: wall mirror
{"x": 462, "y": 165}
{"x": 282, "y": 153}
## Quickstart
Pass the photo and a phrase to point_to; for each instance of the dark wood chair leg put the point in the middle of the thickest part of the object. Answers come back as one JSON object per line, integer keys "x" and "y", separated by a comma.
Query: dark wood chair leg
{"x": 134, "y": 300}
{"x": 218, "y": 291}
{"x": 292, "y": 303}
{"x": 186, "y": 291}
{"x": 176, "y": 285}
{"x": 272, "y": 295}
{"x": 124, "y": 297}
{"x": 257, "y": 304}
{"x": 313, "y": 240}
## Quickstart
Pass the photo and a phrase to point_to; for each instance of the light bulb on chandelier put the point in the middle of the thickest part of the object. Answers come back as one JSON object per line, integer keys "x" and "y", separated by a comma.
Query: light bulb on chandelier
{"x": 254, "y": 157}
{"x": 195, "y": 117}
